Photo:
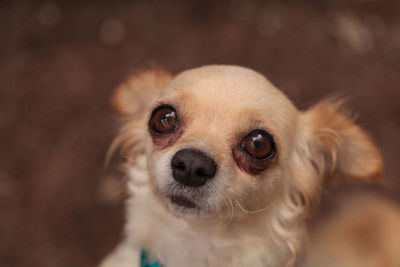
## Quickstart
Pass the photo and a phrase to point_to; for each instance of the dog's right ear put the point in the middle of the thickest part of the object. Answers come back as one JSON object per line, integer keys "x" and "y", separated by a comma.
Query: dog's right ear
{"x": 139, "y": 91}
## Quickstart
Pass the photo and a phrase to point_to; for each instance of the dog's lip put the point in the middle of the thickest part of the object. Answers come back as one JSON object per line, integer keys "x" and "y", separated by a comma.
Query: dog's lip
{"x": 182, "y": 201}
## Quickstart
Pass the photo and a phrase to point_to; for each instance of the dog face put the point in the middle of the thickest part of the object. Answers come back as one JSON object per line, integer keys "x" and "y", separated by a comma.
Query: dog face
{"x": 212, "y": 142}
{"x": 223, "y": 141}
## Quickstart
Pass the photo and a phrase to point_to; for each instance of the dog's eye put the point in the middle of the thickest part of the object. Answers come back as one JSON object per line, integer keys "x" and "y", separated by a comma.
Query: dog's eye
{"x": 259, "y": 145}
{"x": 163, "y": 120}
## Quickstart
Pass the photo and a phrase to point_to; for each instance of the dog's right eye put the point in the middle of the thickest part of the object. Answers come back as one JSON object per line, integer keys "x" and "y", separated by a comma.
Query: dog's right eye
{"x": 259, "y": 145}
{"x": 164, "y": 120}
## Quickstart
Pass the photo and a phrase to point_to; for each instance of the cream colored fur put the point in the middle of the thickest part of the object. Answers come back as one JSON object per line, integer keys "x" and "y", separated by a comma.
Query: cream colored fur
{"x": 364, "y": 231}
{"x": 246, "y": 220}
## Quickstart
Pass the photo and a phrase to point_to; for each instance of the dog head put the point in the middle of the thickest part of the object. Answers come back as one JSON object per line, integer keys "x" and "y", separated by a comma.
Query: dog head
{"x": 221, "y": 140}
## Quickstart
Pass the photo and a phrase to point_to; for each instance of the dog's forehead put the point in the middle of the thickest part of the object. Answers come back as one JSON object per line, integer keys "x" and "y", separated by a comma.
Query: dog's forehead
{"x": 222, "y": 80}
{"x": 239, "y": 85}
{"x": 227, "y": 92}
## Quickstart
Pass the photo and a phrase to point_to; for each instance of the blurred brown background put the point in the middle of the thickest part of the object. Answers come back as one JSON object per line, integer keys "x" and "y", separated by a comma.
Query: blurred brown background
{"x": 60, "y": 61}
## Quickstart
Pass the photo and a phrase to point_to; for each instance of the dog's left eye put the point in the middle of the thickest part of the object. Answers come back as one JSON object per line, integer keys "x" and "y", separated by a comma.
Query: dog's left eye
{"x": 163, "y": 120}
{"x": 259, "y": 145}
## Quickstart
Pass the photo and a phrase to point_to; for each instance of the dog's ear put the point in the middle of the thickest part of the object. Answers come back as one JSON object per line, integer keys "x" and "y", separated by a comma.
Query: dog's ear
{"x": 337, "y": 145}
{"x": 139, "y": 91}
{"x": 328, "y": 144}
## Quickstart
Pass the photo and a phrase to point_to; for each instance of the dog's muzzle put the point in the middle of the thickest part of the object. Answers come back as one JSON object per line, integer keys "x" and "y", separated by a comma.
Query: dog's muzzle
{"x": 192, "y": 168}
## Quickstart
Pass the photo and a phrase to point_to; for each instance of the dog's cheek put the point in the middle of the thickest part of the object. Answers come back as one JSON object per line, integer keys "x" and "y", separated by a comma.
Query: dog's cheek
{"x": 160, "y": 167}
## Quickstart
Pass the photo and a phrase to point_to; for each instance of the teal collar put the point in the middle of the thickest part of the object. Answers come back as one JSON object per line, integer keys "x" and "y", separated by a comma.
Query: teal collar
{"x": 145, "y": 260}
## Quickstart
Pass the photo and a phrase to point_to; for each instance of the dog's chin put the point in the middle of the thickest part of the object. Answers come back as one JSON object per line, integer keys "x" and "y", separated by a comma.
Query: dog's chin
{"x": 182, "y": 206}
{"x": 182, "y": 201}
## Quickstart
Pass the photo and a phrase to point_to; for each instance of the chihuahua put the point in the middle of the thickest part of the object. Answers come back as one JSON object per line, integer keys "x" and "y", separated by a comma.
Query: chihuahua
{"x": 223, "y": 169}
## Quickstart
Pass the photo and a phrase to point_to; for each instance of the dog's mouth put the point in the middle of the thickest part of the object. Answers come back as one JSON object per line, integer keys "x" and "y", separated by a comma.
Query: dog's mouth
{"x": 182, "y": 201}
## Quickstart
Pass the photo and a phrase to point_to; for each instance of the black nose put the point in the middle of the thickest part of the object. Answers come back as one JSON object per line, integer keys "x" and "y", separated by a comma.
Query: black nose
{"x": 192, "y": 167}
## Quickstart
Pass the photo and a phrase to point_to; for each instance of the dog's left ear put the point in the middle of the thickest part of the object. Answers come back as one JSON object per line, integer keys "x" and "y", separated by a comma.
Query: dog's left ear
{"x": 337, "y": 145}
{"x": 139, "y": 91}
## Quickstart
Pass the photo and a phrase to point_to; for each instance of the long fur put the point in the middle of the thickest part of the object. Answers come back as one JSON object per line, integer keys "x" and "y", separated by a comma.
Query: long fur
{"x": 245, "y": 219}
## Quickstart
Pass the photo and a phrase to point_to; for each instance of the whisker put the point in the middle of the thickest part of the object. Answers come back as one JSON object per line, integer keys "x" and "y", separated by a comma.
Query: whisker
{"x": 250, "y": 211}
{"x": 231, "y": 217}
